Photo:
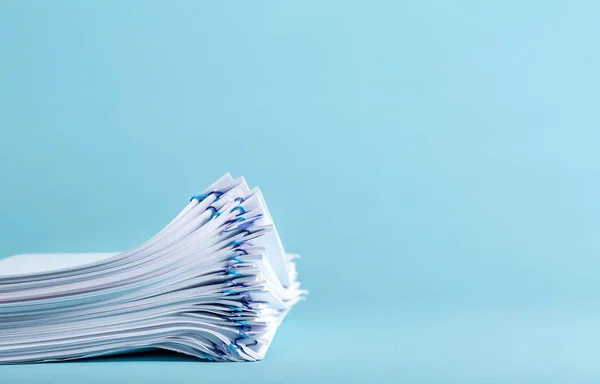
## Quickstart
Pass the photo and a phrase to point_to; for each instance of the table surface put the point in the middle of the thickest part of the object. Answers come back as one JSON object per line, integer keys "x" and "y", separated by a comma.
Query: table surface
{"x": 524, "y": 345}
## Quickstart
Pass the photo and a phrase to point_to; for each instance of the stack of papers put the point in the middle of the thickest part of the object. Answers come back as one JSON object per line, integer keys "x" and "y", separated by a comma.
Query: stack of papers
{"x": 215, "y": 283}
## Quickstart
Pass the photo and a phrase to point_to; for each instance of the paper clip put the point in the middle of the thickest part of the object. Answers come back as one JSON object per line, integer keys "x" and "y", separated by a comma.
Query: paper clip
{"x": 203, "y": 196}
{"x": 215, "y": 212}
{"x": 230, "y": 272}
{"x": 239, "y": 218}
{"x": 207, "y": 356}
{"x": 239, "y": 208}
{"x": 233, "y": 349}
{"x": 218, "y": 350}
{"x": 246, "y": 223}
{"x": 237, "y": 243}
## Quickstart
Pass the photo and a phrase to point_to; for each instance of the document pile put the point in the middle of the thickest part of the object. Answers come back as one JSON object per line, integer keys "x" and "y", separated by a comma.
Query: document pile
{"x": 215, "y": 283}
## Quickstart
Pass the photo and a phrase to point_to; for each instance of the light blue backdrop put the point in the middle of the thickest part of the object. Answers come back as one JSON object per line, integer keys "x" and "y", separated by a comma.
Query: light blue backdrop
{"x": 436, "y": 164}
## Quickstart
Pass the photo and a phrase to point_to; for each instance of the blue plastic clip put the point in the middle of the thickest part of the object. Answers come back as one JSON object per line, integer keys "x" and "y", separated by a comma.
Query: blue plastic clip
{"x": 240, "y": 208}
{"x": 233, "y": 349}
{"x": 200, "y": 197}
{"x": 219, "y": 350}
{"x": 236, "y": 243}
{"x": 230, "y": 272}
{"x": 203, "y": 196}
{"x": 246, "y": 224}
{"x": 239, "y": 218}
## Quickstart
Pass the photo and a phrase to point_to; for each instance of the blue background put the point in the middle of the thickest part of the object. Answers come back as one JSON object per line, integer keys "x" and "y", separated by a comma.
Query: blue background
{"x": 436, "y": 163}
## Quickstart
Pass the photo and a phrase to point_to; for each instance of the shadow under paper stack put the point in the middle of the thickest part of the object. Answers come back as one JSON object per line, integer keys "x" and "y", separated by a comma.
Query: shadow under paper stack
{"x": 215, "y": 283}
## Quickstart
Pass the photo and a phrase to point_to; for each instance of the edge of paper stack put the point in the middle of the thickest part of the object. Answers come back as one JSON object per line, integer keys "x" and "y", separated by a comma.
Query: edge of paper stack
{"x": 215, "y": 283}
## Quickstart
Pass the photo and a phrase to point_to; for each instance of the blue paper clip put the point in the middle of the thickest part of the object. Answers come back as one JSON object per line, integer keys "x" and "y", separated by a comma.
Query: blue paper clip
{"x": 219, "y": 350}
{"x": 237, "y": 243}
{"x": 203, "y": 196}
{"x": 230, "y": 272}
{"x": 233, "y": 349}
{"x": 239, "y": 218}
{"x": 239, "y": 208}
{"x": 246, "y": 223}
